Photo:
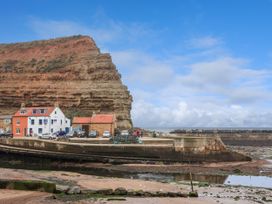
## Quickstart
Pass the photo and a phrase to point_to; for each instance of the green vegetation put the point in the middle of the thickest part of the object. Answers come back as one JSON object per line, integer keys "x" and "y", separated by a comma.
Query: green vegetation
{"x": 32, "y": 185}
{"x": 203, "y": 184}
{"x": 8, "y": 65}
{"x": 56, "y": 63}
{"x": 28, "y": 45}
{"x": 193, "y": 194}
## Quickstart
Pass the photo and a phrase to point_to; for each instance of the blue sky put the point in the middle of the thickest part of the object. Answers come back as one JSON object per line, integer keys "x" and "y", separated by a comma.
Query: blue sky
{"x": 187, "y": 63}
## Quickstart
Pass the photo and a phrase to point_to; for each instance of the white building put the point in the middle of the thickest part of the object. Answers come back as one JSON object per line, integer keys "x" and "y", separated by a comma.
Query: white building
{"x": 40, "y": 120}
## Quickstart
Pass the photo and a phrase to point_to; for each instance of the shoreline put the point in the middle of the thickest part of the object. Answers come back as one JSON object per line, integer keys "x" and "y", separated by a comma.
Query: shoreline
{"x": 208, "y": 193}
{"x": 91, "y": 176}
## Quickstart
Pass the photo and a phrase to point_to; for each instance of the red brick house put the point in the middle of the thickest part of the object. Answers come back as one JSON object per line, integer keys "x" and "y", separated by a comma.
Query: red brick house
{"x": 98, "y": 122}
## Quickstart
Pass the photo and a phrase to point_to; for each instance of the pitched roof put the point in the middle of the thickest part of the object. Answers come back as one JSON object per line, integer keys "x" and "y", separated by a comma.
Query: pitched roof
{"x": 5, "y": 116}
{"x": 34, "y": 111}
{"x": 82, "y": 120}
{"x": 98, "y": 118}
{"x": 103, "y": 118}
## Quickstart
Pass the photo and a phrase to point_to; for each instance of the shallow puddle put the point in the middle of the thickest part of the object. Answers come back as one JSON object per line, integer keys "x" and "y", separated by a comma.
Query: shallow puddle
{"x": 254, "y": 181}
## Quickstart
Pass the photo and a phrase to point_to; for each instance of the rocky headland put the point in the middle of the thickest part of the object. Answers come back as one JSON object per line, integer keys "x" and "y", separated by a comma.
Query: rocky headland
{"x": 70, "y": 71}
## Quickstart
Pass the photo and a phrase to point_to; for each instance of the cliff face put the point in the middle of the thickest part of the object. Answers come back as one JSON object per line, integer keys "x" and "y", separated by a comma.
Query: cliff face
{"x": 70, "y": 71}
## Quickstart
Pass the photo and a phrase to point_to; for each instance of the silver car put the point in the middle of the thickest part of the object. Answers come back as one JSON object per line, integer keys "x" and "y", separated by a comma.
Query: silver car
{"x": 106, "y": 134}
{"x": 47, "y": 136}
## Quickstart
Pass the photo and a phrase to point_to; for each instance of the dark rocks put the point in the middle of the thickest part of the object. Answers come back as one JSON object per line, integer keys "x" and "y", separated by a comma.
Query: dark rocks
{"x": 74, "y": 190}
{"x": 193, "y": 194}
{"x": 133, "y": 193}
{"x": 105, "y": 191}
{"x": 70, "y": 190}
{"x": 120, "y": 191}
{"x": 139, "y": 193}
{"x": 62, "y": 188}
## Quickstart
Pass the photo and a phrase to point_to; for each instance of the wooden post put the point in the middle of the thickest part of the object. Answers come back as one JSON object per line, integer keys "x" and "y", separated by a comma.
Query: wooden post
{"x": 191, "y": 180}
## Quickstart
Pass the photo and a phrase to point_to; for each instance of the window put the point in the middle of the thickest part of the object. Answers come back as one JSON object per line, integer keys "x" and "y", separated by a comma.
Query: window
{"x": 55, "y": 112}
{"x": 40, "y": 130}
{"x": 51, "y": 130}
{"x": 61, "y": 122}
{"x": 32, "y": 122}
{"x": 30, "y": 131}
{"x": 42, "y": 111}
{"x": 22, "y": 111}
{"x": 7, "y": 121}
{"x": 34, "y": 111}
{"x": 18, "y": 122}
{"x": 66, "y": 121}
{"x": 17, "y": 130}
{"x": 45, "y": 121}
{"x": 52, "y": 121}
{"x": 40, "y": 121}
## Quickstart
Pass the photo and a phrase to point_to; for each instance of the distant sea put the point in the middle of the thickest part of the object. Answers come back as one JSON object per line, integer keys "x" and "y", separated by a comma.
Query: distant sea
{"x": 169, "y": 129}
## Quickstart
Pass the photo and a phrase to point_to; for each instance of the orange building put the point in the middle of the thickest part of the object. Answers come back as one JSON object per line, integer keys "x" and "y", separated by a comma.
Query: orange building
{"x": 98, "y": 122}
{"x": 19, "y": 126}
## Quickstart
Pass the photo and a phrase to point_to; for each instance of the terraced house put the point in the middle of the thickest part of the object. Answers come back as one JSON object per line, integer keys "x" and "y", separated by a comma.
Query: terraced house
{"x": 35, "y": 121}
{"x": 5, "y": 123}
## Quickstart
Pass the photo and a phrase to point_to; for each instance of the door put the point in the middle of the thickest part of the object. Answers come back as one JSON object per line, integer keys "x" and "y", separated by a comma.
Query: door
{"x": 85, "y": 128}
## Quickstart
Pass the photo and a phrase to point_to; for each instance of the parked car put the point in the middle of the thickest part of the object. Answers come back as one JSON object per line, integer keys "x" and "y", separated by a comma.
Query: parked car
{"x": 71, "y": 134}
{"x": 93, "y": 133}
{"x": 60, "y": 133}
{"x": 81, "y": 133}
{"x": 106, "y": 134}
{"x": 124, "y": 133}
{"x": 47, "y": 136}
{"x": 5, "y": 134}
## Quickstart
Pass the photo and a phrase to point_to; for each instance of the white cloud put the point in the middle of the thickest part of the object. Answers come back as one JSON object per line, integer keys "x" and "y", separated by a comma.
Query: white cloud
{"x": 143, "y": 68}
{"x": 204, "y": 42}
{"x": 222, "y": 92}
{"x": 183, "y": 114}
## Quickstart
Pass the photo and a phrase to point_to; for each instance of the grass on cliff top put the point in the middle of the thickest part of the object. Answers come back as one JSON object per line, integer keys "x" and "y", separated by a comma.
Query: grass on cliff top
{"x": 28, "y": 45}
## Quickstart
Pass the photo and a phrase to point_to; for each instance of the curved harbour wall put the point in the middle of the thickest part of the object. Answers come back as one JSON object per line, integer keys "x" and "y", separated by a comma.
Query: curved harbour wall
{"x": 182, "y": 150}
{"x": 233, "y": 137}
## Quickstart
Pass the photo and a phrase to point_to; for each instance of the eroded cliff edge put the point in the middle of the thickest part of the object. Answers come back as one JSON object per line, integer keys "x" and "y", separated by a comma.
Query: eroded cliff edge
{"x": 71, "y": 71}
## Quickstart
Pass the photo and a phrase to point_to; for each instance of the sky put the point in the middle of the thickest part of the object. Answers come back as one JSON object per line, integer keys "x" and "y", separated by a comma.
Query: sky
{"x": 190, "y": 63}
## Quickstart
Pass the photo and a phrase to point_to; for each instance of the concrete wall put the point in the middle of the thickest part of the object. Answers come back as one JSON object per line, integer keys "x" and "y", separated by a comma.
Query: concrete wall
{"x": 245, "y": 138}
{"x": 141, "y": 152}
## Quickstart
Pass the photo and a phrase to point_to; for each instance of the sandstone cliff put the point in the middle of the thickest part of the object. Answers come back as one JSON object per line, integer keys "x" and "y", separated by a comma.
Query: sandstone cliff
{"x": 71, "y": 71}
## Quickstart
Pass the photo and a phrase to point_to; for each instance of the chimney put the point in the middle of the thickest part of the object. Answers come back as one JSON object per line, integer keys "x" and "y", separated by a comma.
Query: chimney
{"x": 56, "y": 104}
{"x": 22, "y": 105}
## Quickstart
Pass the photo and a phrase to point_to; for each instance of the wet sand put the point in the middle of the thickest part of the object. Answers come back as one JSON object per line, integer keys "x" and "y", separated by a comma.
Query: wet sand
{"x": 21, "y": 197}
{"x": 207, "y": 195}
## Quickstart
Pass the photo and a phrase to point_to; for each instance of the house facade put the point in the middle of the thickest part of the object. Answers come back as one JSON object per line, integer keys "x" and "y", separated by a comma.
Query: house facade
{"x": 98, "y": 122}
{"x": 5, "y": 123}
{"x": 35, "y": 121}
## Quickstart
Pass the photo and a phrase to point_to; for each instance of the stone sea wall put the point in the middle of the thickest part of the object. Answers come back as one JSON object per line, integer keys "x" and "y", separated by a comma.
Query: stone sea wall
{"x": 235, "y": 137}
{"x": 187, "y": 151}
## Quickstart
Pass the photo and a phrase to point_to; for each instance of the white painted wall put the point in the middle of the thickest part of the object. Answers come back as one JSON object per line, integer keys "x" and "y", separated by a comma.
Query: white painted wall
{"x": 55, "y": 122}
{"x": 60, "y": 122}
